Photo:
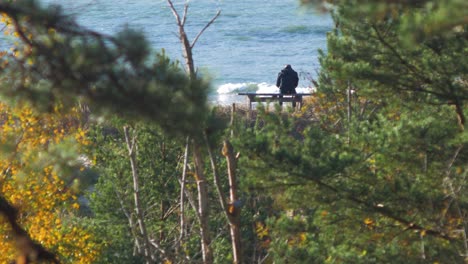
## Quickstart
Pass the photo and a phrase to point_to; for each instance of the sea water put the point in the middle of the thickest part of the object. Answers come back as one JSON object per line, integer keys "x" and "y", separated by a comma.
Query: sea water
{"x": 243, "y": 50}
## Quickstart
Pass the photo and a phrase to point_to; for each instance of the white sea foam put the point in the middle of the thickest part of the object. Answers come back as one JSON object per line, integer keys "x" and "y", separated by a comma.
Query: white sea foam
{"x": 267, "y": 88}
{"x": 233, "y": 88}
{"x": 229, "y": 88}
{"x": 227, "y": 93}
{"x": 305, "y": 89}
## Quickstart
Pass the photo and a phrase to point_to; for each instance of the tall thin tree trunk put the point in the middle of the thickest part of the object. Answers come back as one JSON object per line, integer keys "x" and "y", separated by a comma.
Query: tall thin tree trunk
{"x": 131, "y": 146}
{"x": 182, "y": 193}
{"x": 348, "y": 95}
{"x": 231, "y": 209}
{"x": 131, "y": 225}
{"x": 235, "y": 205}
{"x": 202, "y": 186}
{"x": 460, "y": 115}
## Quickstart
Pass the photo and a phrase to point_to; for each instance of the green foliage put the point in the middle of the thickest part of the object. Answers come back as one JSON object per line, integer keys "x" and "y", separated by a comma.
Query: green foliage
{"x": 379, "y": 176}
{"x": 112, "y": 197}
{"x": 278, "y": 146}
{"x": 386, "y": 186}
{"x": 371, "y": 50}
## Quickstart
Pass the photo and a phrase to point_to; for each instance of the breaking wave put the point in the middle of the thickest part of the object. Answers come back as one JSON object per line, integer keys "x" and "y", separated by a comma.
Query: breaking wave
{"x": 234, "y": 88}
{"x": 226, "y": 94}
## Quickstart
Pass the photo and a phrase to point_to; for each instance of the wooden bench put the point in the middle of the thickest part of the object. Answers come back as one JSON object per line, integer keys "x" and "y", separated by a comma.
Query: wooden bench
{"x": 270, "y": 97}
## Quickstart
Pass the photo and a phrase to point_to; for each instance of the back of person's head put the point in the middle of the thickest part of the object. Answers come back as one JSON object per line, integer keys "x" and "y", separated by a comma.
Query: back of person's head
{"x": 287, "y": 66}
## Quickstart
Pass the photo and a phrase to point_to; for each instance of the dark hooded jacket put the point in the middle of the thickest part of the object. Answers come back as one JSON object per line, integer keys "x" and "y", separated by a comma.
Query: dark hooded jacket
{"x": 287, "y": 80}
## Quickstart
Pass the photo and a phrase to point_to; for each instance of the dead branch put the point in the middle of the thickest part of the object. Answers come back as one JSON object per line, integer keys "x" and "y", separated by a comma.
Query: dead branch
{"x": 203, "y": 30}
{"x": 176, "y": 14}
{"x": 186, "y": 45}
{"x": 221, "y": 195}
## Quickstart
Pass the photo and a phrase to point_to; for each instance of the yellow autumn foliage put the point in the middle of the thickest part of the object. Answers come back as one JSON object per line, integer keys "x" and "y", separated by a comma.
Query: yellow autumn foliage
{"x": 32, "y": 184}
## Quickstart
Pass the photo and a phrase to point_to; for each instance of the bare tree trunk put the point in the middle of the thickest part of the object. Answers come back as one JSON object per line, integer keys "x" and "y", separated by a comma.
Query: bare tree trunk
{"x": 460, "y": 115}
{"x": 202, "y": 186}
{"x": 235, "y": 204}
{"x": 131, "y": 225}
{"x": 200, "y": 177}
{"x": 348, "y": 95}
{"x": 131, "y": 146}
{"x": 453, "y": 192}
{"x": 186, "y": 45}
{"x": 233, "y": 208}
{"x": 182, "y": 193}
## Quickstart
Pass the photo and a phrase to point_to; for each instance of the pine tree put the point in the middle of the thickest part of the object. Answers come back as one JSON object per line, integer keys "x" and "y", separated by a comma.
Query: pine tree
{"x": 379, "y": 176}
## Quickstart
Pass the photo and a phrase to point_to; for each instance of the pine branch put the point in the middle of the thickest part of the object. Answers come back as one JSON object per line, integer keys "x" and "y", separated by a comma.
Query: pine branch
{"x": 405, "y": 63}
{"x": 382, "y": 210}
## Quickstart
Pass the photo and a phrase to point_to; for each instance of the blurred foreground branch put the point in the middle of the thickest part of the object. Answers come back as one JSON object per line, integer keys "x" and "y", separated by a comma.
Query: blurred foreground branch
{"x": 29, "y": 251}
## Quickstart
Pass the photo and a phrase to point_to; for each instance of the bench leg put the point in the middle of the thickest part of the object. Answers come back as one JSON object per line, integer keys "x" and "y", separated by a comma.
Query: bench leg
{"x": 280, "y": 97}
{"x": 299, "y": 102}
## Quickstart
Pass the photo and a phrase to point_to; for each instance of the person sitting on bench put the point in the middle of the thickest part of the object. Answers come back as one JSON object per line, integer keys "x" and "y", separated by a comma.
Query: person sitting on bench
{"x": 287, "y": 82}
